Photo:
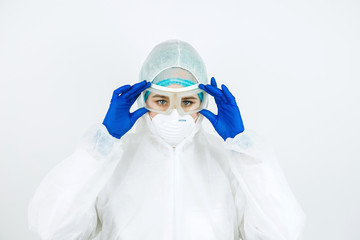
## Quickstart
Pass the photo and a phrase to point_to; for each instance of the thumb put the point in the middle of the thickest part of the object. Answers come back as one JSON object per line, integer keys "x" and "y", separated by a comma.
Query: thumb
{"x": 209, "y": 115}
{"x": 134, "y": 116}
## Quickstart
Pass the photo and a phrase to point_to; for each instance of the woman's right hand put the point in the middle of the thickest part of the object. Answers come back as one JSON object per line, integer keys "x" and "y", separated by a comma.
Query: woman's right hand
{"x": 118, "y": 119}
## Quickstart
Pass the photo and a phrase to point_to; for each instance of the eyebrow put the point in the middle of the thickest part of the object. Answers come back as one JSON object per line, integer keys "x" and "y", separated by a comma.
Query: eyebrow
{"x": 194, "y": 98}
{"x": 160, "y": 96}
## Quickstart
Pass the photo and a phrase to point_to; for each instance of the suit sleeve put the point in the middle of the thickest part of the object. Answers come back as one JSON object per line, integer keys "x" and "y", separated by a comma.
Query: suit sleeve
{"x": 267, "y": 208}
{"x": 64, "y": 205}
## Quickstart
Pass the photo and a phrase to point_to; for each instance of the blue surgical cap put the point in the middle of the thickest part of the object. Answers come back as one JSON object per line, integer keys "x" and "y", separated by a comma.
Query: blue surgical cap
{"x": 171, "y": 81}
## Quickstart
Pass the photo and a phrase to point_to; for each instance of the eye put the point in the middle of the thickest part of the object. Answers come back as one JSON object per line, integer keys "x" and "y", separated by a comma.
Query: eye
{"x": 187, "y": 103}
{"x": 161, "y": 102}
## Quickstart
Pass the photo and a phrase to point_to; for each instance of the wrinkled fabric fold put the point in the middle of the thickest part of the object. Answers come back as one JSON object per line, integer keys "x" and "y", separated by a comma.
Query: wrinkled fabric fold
{"x": 271, "y": 210}
{"x": 63, "y": 206}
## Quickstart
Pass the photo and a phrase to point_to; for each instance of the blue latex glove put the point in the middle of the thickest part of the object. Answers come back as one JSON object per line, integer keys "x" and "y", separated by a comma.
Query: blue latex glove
{"x": 228, "y": 122}
{"x": 118, "y": 119}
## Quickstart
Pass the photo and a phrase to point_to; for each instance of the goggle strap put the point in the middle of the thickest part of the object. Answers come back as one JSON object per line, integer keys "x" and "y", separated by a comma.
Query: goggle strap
{"x": 175, "y": 90}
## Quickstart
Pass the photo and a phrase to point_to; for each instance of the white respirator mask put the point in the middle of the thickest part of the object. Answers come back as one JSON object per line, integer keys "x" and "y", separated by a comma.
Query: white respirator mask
{"x": 173, "y": 128}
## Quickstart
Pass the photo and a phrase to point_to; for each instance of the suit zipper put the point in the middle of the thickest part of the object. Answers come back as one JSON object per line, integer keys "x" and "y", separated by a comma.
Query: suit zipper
{"x": 174, "y": 176}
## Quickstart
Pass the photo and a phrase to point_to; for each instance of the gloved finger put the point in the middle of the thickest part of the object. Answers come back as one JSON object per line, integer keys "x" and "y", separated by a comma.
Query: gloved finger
{"x": 203, "y": 87}
{"x": 136, "y": 94}
{"x": 228, "y": 94}
{"x": 120, "y": 90}
{"x": 209, "y": 115}
{"x": 213, "y": 82}
{"x": 213, "y": 91}
{"x": 134, "y": 88}
{"x": 134, "y": 116}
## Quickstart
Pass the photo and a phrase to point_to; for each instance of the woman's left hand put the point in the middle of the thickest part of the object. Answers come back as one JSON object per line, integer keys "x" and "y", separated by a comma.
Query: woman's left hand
{"x": 228, "y": 122}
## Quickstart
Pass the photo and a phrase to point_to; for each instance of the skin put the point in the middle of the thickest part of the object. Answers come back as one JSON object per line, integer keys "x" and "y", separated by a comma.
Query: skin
{"x": 153, "y": 114}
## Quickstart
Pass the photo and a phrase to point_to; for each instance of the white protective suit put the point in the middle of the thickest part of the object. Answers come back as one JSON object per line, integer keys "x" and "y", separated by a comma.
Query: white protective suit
{"x": 138, "y": 187}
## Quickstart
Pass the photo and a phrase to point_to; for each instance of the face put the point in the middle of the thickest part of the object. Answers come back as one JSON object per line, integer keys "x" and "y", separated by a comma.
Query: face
{"x": 163, "y": 101}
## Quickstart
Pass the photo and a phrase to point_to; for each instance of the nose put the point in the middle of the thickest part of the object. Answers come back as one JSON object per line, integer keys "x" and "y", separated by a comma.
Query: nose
{"x": 173, "y": 106}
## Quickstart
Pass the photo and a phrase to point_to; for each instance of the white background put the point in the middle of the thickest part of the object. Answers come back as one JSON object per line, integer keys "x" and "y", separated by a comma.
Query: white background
{"x": 293, "y": 66}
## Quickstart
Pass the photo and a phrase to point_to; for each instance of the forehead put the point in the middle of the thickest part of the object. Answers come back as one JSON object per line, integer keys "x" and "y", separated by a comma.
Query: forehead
{"x": 175, "y": 86}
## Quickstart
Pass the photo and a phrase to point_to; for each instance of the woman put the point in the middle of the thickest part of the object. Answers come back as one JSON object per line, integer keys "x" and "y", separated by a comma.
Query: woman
{"x": 168, "y": 179}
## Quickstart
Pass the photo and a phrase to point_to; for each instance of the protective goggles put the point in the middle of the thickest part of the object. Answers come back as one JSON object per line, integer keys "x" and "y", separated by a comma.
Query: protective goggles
{"x": 186, "y": 100}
